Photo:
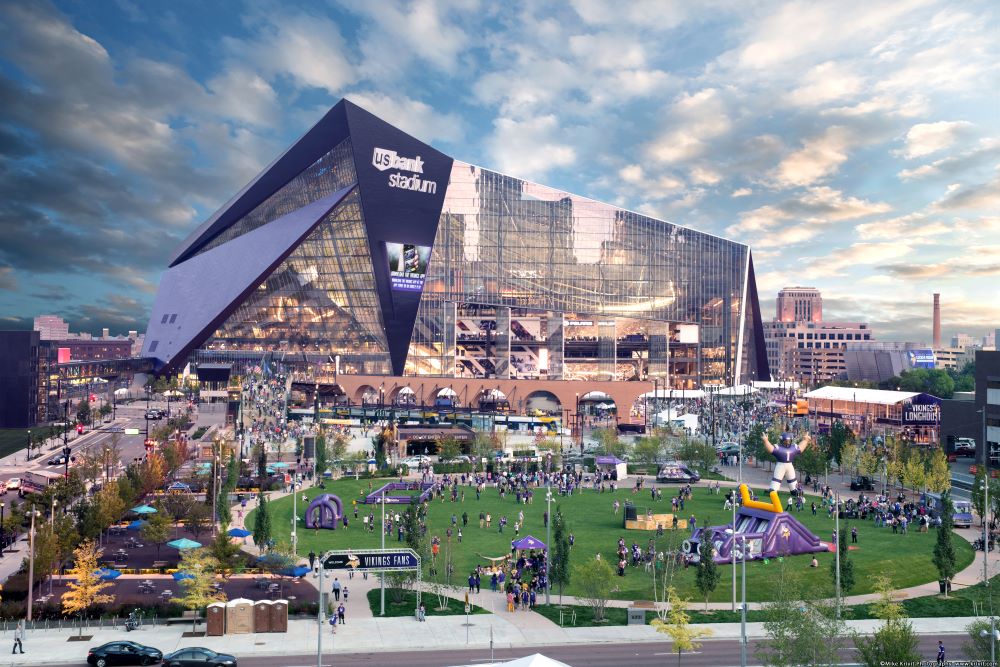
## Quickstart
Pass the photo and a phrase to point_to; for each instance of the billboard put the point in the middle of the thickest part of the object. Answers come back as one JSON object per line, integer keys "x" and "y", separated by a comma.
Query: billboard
{"x": 921, "y": 358}
{"x": 921, "y": 415}
{"x": 408, "y": 265}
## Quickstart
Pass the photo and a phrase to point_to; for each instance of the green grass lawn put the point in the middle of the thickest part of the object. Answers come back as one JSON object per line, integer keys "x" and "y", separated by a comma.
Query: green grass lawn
{"x": 906, "y": 559}
{"x": 409, "y": 604}
{"x": 12, "y": 440}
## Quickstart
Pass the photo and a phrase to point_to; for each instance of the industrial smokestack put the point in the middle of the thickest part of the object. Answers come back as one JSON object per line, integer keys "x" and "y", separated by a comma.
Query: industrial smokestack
{"x": 937, "y": 321}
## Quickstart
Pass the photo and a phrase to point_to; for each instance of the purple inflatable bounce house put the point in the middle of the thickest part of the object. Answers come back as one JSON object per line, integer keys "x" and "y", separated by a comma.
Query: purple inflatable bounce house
{"x": 325, "y": 511}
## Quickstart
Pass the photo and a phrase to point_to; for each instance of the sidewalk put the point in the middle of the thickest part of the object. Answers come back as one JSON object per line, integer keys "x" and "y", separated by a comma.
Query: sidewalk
{"x": 48, "y": 647}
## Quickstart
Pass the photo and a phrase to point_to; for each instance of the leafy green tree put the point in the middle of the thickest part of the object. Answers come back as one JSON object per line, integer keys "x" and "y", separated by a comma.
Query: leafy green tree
{"x": 801, "y": 628}
{"x": 196, "y": 590}
{"x": 322, "y": 463}
{"x": 224, "y": 550}
{"x": 707, "y": 577}
{"x": 337, "y": 447}
{"x": 262, "y": 523}
{"x": 979, "y": 492}
{"x": 699, "y": 455}
{"x": 157, "y": 530}
{"x": 678, "y": 626}
{"x": 894, "y": 642}
{"x": 83, "y": 411}
{"x": 838, "y": 437}
{"x": 595, "y": 583}
{"x": 609, "y": 443}
{"x": 846, "y": 564}
{"x": 754, "y": 443}
{"x": 86, "y": 585}
{"x": 559, "y": 570}
{"x": 449, "y": 448}
{"x": 648, "y": 448}
{"x": 944, "y": 550}
{"x": 199, "y": 519}
{"x": 978, "y": 647}
{"x": 937, "y": 475}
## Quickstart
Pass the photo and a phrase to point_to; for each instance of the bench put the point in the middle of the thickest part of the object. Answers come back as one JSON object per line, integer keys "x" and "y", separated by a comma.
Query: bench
{"x": 186, "y": 617}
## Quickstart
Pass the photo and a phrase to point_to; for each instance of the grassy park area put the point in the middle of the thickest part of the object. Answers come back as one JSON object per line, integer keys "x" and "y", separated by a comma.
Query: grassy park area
{"x": 906, "y": 559}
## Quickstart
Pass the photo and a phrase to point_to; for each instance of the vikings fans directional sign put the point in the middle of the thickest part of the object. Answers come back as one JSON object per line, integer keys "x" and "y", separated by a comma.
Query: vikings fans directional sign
{"x": 374, "y": 559}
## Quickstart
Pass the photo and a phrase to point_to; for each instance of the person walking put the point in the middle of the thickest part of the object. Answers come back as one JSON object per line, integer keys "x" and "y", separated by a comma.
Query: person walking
{"x": 854, "y": 535}
{"x": 340, "y": 613}
{"x": 940, "y": 655}
{"x": 18, "y": 638}
{"x": 336, "y": 589}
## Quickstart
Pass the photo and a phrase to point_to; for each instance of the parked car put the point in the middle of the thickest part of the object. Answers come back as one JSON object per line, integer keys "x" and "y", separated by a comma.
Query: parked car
{"x": 153, "y": 414}
{"x": 60, "y": 459}
{"x": 862, "y": 483}
{"x": 123, "y": 653}
{"x": 965, "y": 447}
{"x": 197, "y": 656}
{"x": 677, "y": 472}
{"x": 14, "y": 483}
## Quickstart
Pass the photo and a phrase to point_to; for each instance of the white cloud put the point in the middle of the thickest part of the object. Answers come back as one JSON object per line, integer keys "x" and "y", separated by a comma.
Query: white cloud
{"x": 529, "y": 148}
{"x": 308, "y": 49}
{"x": 698, "y": 119}
{"x": 854, "y": 256}
{"x": 976, "y": 196}
{"x": 827, "y": 82}
{"x": 741, "y": 192}
{"x": 927, "y": 138}
{"x": 413, "y": 116}
{"x": 243, "y": 95}
{"x": 704, "y": 175}
{"x": 913, "y": 228}
{"x": 818, "y": 206}
{"x": 818, "y": 158}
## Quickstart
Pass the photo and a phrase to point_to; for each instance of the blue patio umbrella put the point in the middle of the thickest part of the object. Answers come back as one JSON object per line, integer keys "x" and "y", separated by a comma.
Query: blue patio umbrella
{"x": 279, "y": 464}
{"x": 136, "y": 525}
{"x": 239, "y": 532}
{"x": 144, "y": 509}
{"x": 108, "y": 574}
{"x": 297, "y": 571}
{"x": 184, "y": 543}
{"x": 178, "y": 576}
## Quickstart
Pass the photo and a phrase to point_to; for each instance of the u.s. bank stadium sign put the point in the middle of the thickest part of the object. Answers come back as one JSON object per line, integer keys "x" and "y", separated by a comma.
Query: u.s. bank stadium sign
{"x": 917, "y": 415}
{"x": 384, "y": 159}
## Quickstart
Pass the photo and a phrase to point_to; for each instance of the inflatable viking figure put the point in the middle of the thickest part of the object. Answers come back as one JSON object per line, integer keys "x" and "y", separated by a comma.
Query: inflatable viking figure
{"x": 784, "y": 454}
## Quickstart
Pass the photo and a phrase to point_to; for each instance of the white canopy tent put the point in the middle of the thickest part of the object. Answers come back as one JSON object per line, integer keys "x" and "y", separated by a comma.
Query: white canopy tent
{"x": 675, "y": 394}
{"x": 121, "y": 393}
{"x": 738, "y": 390}
{"x": 535, "y": 660}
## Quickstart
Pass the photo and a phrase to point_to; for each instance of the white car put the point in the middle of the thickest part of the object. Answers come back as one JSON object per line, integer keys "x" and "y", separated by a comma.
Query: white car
{"x": 13, "y": 483}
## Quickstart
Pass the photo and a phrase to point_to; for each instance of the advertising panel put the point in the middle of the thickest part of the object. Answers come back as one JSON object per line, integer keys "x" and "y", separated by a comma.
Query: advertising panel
{"x": 921, "y": 358}
{"x": 921, "y": 415}
{"x": 408, "y": 265}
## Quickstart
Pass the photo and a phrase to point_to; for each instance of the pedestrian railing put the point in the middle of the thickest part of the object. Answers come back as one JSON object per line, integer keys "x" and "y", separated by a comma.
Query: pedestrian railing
{"x": 79, "y": 625}
{"x": 567, "y": 616}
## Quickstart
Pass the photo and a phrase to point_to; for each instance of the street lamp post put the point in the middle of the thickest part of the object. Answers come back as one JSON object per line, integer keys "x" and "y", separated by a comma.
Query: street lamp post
{"x": 732, "y": 550}
{"x": 29, "y": 445}
{"x": 31, "y": 563}
{"x": 381, "y": 576}
{"x": 3, "y": 533}
{"x": 836, "y": 512}
{"x": 743, "y": 609}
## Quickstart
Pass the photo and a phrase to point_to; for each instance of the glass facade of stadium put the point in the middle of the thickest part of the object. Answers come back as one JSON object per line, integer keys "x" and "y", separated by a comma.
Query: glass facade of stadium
{"x": 376, "y": 255}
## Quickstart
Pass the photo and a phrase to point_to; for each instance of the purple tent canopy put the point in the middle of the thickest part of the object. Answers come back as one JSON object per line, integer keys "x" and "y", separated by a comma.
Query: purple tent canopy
{"x": 527, "y": 542}
{"x": 607, "y": 460}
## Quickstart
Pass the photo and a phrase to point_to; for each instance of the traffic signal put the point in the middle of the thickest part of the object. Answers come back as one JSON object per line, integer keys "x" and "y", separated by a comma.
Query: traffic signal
{"x": 93, "y": 398}
{"x": 79, "y": 428}
{"x": 150, "y": 444}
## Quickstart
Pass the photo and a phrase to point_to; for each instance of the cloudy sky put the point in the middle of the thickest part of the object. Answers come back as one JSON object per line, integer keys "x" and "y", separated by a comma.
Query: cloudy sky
{"x": 854, "y": 145}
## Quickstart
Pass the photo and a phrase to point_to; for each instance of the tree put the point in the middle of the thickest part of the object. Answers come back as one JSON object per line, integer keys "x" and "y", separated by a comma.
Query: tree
{"x": 699, "y": 455}
{"x": 609, "y": 443}
{"x": 83, "y": 411}
{"x": 225, "y": 552}
{"x": 801, "y": 628}
{"x": 979, "y": 493}
{"x": 754, "y": 443}
{"x": 200, "y": 520}
{"x": 678, "y": 626}
{"x": 157, "y": 530}
{"x": 262, "y": 523}
{"x": 197, "y": 591}
{"x": 152, "y": 473}
{"x": 708, "y": 575}
{"x": 850, "y": 456}
{"x": 978, "y": 649}
{"x": 938, "y": 472}
{"x": 838, "y": 437}
{"x": 595, "y": 581}
{"x": 944, "y": 550}
{"x": 846, "y": 564}
{"x": 337, "y": 447}
{"x": 321, "y": 457}
{"x": 648, "y": 449}
{"x": 109, "y": 503}
{"x": 559, "y": 552}
{"x": 85, "y": 591}
{"x": 894, "y": 642}
{"x": 449, "y": 448}
{"x": 914, "y": 474}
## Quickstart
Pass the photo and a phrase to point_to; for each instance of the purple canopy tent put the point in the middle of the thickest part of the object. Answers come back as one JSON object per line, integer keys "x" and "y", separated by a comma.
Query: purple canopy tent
{"x": 611, "y": 467}
{"x": 527, "y": 542}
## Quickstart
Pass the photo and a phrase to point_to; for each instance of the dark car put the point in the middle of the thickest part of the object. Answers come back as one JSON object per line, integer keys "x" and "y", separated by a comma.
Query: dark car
{"x": 862, "y": 484}
{"x": 59, "y": 460}
{"x": 677, "y": 472}
{"x": 197, "y": 656}
{"x": 123, "y": 653}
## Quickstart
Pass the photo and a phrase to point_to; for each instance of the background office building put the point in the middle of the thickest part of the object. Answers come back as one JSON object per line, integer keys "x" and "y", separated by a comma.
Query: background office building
{"x": 362, "y": 251}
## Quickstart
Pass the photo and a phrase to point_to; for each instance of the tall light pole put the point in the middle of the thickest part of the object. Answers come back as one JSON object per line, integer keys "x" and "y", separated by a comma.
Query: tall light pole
{"x": 31, "y": 562}
{"x": 732, "y": 551}
{"x": 295, "y": 517}
{"x": 743, "y": 609}
{"x": 381, "y": 575}
{"x": 836, "y": 512}
{"x": 986, "y": 504}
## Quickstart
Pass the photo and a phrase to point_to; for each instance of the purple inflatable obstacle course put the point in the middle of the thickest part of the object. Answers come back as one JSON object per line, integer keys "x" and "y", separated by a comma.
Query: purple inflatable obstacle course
{"x": 766, "y": 534}
{"x": 375, "y": 497}
{"x": 325, "y": 511}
